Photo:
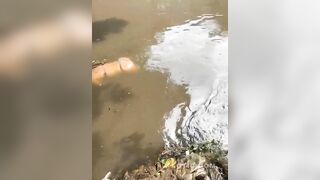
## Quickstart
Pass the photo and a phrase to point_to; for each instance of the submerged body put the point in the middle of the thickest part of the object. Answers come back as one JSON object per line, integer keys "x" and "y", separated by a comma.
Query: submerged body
{"x": 101, "y": 72}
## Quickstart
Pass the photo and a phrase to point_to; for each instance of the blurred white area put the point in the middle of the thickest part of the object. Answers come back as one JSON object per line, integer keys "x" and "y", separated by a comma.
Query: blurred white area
{"x": 274, "y": 90}
{"x": 45, "y": 92}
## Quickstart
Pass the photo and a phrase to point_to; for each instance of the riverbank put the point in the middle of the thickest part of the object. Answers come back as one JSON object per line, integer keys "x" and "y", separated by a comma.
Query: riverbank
{"x": 205, "y": 161}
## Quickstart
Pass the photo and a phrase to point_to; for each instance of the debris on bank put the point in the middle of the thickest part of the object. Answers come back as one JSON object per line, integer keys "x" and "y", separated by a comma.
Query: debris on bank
{"x": 199, "y": 162}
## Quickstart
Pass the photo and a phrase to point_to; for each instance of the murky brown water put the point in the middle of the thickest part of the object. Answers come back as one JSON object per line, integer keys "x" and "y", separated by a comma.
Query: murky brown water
{"x": 130, "y": 111}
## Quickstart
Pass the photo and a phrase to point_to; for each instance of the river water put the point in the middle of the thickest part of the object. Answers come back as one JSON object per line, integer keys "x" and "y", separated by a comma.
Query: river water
{"x": 180, "y": 94}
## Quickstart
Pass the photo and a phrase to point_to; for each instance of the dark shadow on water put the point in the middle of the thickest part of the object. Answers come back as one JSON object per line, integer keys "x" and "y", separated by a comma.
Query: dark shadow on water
{"x": 112, "y": 92}
{"x": 134, "y": 151}
{"x": 100, "y": 29}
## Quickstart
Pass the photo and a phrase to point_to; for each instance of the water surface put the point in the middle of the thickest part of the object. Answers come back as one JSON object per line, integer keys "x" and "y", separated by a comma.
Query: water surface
{"x": 134, "y": 116}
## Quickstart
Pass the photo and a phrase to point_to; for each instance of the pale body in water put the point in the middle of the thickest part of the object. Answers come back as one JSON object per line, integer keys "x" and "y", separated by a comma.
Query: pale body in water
{"x": 102, "y": 72}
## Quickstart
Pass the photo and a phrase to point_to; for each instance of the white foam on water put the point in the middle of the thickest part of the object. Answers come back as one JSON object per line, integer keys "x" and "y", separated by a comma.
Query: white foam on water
{"x": 195, "y": 55}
